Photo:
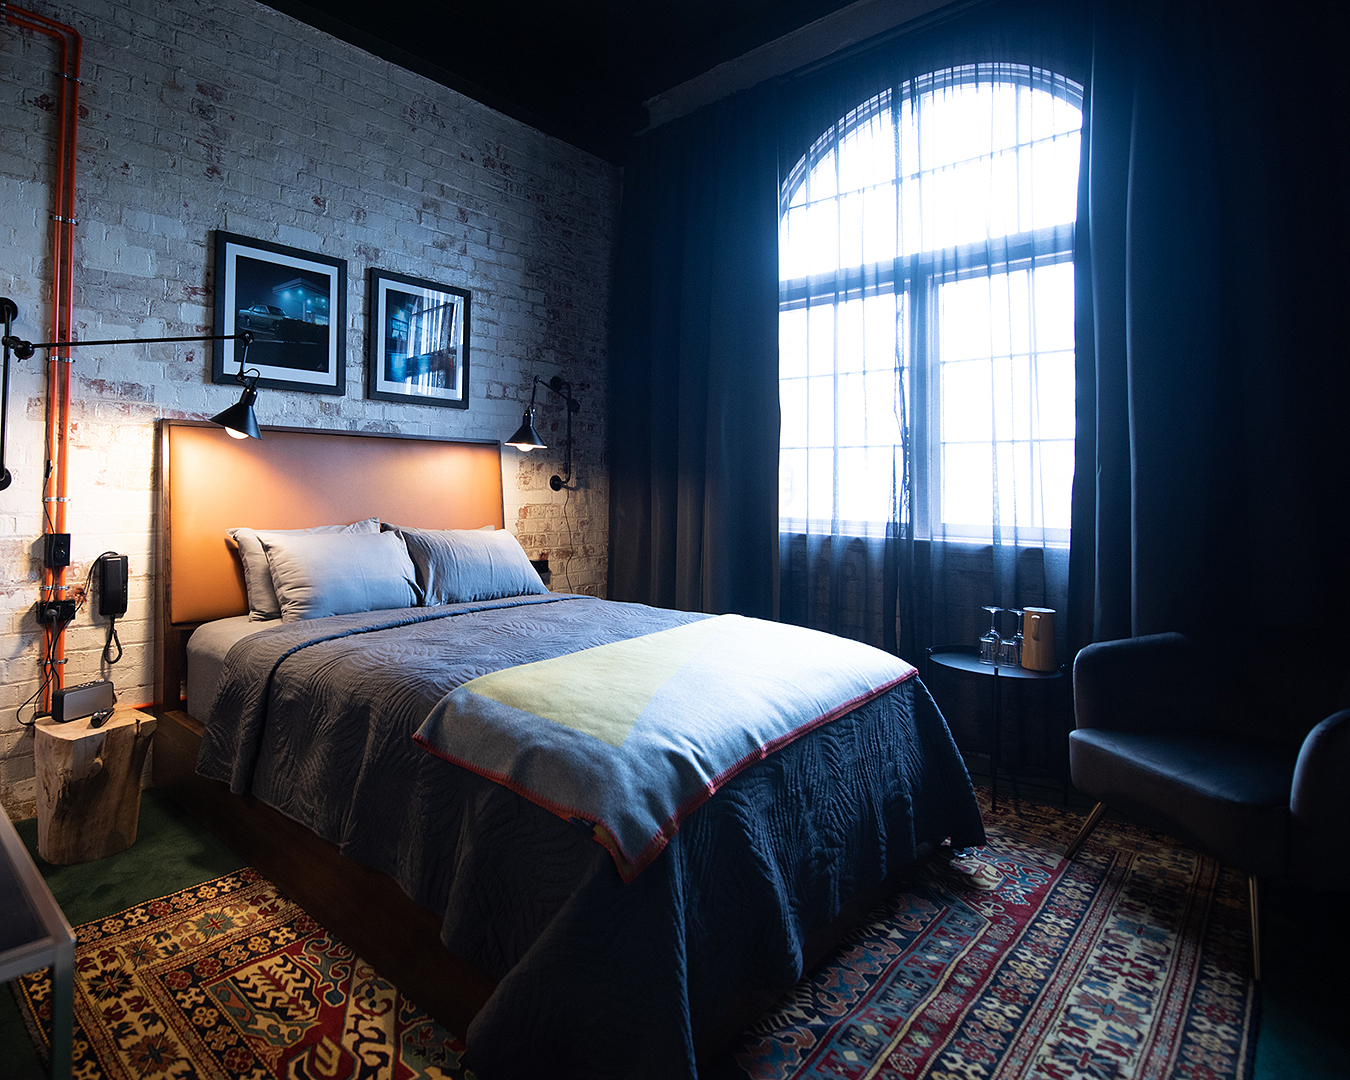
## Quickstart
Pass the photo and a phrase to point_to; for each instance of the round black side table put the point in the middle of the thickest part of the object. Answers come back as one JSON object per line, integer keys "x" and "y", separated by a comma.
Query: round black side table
{"x": 967, "y": 658}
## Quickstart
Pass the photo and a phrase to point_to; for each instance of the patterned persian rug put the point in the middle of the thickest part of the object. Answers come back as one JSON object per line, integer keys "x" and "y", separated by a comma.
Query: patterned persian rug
{"x": 1008, "y": 963}
{"x": 1002, "y": 963}
{"x": 229, "y": 980}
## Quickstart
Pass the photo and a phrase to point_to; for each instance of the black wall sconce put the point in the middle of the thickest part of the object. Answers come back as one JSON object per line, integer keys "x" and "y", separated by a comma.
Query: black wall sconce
{"x": 527, "y": 439}
{"x": 239, "y": 419}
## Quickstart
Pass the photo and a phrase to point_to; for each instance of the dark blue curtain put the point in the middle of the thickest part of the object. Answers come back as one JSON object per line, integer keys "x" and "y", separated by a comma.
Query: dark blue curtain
{"x": 1213, "y": 447}
{"x": 1212, "y": 372}
{"x": 693, "y": 416}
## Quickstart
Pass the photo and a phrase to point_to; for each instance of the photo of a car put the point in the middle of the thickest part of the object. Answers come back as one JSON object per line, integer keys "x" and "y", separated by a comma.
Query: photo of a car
{"x": 261, "y": 317}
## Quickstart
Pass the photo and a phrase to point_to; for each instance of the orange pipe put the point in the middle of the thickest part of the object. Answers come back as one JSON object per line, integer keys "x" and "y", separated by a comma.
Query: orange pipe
{"x": 54, "y": 483}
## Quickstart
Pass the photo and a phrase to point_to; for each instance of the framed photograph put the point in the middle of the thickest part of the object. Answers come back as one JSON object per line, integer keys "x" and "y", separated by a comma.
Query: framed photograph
{"x": 417, "y": 341}
{"x": 295, "y": 305}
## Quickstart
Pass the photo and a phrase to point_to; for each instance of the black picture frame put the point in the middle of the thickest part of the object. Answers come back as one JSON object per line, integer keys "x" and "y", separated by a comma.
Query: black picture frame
{"x": 293, "y": 302}
{"x": 409, "y": 313}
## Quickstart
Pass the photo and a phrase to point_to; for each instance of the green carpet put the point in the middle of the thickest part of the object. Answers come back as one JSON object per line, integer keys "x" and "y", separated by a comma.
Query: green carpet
{"x": 1305, "y": 996}
{"x": 1305, "y": 955}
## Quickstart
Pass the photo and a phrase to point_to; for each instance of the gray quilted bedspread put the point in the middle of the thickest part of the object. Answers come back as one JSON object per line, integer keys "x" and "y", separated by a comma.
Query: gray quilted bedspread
{"x": 597, "y": 978}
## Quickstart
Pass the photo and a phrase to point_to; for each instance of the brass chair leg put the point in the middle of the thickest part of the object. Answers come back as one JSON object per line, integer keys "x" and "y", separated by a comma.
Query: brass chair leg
{"x": 1254, "y": 892}
{"x": 1085, "y": 831}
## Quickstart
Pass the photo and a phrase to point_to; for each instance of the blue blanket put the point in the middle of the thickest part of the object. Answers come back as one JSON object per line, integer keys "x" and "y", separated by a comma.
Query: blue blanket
{"x": 316, "y": 719}
{"x": 633, "y": 736}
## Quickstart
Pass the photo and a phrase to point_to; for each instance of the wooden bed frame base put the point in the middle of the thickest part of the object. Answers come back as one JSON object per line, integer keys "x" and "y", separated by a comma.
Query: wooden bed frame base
{"x": 365, "y": 908}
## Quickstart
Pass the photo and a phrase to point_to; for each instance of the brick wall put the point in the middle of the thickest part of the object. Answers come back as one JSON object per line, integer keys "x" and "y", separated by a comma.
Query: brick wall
{"x": 228, "y": 115}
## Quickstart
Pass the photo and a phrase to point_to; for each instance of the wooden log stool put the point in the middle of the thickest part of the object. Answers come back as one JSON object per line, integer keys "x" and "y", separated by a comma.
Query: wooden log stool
{"x": 89, "y": 785}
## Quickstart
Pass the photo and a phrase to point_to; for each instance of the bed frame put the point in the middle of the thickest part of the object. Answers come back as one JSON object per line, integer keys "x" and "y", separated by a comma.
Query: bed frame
{"x": 294, "y": 478}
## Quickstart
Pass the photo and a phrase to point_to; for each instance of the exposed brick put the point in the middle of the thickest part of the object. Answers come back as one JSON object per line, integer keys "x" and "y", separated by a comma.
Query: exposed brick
{"x": 230, "y": 115}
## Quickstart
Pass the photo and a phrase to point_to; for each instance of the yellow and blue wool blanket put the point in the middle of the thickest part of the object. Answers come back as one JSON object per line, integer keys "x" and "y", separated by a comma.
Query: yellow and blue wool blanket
{"x": 632, "y": 736}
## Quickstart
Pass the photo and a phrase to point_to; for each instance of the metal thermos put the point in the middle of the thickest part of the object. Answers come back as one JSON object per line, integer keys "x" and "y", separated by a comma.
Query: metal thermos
{"x": 1038, "y": 638}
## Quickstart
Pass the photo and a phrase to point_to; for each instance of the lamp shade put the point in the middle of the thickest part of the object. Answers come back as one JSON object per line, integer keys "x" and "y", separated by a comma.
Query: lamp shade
{"x": 238, "y": 419}
{"x": 526, "y": 438}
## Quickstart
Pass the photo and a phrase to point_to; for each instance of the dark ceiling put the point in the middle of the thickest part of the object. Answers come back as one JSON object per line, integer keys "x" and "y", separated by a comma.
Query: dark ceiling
{"x": 576, "y": 69}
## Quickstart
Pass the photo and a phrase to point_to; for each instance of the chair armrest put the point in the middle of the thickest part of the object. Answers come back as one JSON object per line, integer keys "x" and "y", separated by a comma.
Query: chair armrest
{"x": 1319, "y": 805}
{"x": 1133, "y": 684}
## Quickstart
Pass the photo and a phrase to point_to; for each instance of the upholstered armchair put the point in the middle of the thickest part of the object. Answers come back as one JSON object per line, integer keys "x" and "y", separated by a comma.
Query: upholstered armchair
{"x": 1232, "y": 757}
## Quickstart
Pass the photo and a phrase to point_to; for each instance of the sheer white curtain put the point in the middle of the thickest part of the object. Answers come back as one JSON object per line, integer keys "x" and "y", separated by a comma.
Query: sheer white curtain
{"x": 926, "y": 355}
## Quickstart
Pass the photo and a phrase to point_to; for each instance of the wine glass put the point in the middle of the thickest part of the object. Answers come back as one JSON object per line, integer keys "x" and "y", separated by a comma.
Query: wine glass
{"x": 1012, "y": 647}
{"x": 990, "y": 643}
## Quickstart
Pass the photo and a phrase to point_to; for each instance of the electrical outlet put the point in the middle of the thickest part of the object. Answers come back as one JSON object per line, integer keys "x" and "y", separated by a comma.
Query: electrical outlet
{"x": 56, "y": 611}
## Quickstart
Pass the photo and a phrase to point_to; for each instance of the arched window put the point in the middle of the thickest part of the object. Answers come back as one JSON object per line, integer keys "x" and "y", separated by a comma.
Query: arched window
{"x": 926, "y": 334}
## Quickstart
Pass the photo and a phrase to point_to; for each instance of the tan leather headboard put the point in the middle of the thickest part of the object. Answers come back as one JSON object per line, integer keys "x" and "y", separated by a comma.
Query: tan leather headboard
{"x": 292, "y": 479}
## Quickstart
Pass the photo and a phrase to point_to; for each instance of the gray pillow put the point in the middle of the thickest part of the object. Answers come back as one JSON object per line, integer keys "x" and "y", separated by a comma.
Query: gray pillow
{"x": 262, "y": 597}
{"x": 455, "y": 566}
{"x": 320, "y": 574}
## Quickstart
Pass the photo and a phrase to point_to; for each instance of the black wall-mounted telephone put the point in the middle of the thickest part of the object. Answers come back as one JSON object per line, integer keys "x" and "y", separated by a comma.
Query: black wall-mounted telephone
{"x": 112, "y": 598}
{"x": 112, "y": 585}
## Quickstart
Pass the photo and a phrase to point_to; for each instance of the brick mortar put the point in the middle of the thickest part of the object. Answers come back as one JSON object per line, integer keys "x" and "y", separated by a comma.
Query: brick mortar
{"x": 229, "y": 115}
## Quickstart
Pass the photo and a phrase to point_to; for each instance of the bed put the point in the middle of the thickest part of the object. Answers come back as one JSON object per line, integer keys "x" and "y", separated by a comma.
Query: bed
{"x": 327, "y": 752}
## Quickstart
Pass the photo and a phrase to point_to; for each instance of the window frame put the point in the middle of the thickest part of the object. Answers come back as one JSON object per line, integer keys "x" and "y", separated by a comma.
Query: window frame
{"x": 916, "y": 277}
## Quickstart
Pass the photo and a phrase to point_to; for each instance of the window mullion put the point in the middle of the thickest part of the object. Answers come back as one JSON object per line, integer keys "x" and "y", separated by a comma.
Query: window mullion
{"x": 838, "y": 258}
{"x": 924, "y": 414}
{"x": 903, "y": 487}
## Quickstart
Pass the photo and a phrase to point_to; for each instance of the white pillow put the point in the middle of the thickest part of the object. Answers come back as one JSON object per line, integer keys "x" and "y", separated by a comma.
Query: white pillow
{"x": 458, "y": 565}
{"x": 320, "y": 574}
{"x": 262, "y": 597}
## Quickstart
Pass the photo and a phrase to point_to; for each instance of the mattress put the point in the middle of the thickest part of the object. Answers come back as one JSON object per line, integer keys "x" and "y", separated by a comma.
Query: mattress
{"x": 206, "y": 651}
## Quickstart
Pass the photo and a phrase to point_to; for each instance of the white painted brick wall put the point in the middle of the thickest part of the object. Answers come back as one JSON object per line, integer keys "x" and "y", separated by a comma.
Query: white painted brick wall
{"x": 228, "y": 115}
